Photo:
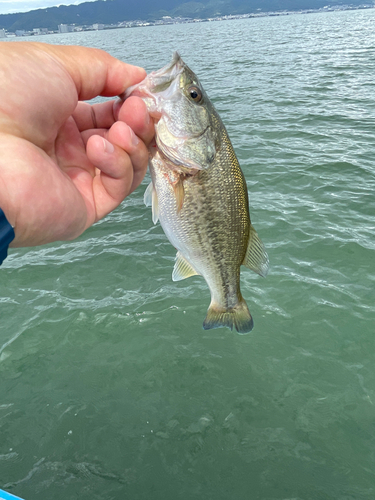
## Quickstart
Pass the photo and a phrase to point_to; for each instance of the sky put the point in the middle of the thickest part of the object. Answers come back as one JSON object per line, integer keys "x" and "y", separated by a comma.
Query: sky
{"x": 11, "y": 6}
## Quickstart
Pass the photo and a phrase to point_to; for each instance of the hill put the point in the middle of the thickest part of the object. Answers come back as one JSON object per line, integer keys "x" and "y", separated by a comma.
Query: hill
{"x": 114, "y": 11}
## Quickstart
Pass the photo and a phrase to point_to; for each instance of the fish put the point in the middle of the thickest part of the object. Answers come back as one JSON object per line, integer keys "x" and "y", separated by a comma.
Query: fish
{"x": 199, "y": 193}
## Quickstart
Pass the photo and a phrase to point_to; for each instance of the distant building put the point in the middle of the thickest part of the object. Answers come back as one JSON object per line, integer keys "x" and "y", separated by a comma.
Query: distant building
{"x": 97, "y": 26}
{"x": 2, "y": 34}
{"x": 40, "y": 31}
{"x": 20, "y": 32}
{"x": 65, "y": 28}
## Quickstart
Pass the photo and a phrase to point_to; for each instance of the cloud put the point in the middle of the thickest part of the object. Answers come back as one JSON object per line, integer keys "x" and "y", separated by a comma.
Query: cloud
{"x": 12, "y": 6}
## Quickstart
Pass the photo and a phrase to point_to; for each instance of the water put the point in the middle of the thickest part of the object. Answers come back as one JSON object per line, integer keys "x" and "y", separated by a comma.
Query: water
{"x": 109, "y": 386}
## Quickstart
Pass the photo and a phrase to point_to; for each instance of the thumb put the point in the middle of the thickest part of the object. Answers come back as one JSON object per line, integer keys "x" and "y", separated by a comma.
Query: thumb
{"x": 94, "y": 71}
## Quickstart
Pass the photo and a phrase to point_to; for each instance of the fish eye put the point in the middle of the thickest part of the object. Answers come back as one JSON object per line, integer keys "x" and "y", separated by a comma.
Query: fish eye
{"x": 195, "y": 93}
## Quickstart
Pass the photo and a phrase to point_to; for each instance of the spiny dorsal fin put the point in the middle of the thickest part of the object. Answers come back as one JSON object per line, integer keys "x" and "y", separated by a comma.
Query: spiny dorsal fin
{"x": 151, "y": 200}
{"x": 256, "y": 257}
{"x": 182, "y": 268}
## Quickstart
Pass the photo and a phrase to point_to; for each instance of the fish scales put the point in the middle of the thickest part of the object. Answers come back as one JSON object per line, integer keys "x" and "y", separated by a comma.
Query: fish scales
{"x": 199, "y": 193}
{"x": 200, "y": 234}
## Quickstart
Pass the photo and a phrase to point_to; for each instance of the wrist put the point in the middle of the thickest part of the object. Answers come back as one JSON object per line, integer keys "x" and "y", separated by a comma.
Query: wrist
{"x": 6, "y": 236}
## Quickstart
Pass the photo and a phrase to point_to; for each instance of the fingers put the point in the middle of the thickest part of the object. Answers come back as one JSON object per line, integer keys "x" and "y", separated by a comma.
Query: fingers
{"x": 92, "y": 116}
{"x": 122, "y": 161}
{"x": 121, "y": 134}
{"x": 134, "y": 113}
{"x": 119, "y": 152}
{"x": 94, "y": 119}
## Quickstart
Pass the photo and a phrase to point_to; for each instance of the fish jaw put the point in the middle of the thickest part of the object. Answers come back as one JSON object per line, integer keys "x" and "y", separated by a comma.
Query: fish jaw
{"x": 158, "y": 85}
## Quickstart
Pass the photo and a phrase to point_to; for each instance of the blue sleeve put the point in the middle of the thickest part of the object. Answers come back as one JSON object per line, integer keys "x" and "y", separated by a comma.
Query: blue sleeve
{"x": 6, "y": 236}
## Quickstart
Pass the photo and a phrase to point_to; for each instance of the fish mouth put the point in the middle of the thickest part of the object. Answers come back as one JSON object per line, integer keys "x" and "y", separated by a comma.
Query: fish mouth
{"x": 161, "y": 79}
{"x": 157, "y": 81}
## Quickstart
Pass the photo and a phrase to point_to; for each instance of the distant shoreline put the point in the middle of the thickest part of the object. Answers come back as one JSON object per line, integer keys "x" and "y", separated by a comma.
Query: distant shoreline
{"x": 168, "y": 20}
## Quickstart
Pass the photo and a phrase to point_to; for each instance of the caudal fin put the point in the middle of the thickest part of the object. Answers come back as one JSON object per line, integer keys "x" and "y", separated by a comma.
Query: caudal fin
{"x": 238, "y": 317}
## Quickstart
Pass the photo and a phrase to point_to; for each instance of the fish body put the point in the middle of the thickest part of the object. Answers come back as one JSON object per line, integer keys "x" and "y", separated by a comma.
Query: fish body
{"x": 199, "y": 193}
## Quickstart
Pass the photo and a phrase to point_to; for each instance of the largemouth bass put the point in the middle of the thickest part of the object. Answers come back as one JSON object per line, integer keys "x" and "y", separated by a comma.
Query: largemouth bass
{"x": 199, "y": 193}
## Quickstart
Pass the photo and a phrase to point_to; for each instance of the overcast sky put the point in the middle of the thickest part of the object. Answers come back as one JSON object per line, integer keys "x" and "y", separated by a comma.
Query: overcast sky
{"x": 10, "y": 6}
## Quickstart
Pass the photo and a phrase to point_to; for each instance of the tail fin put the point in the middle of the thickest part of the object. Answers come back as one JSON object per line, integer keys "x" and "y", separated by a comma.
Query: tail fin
{"x": 239, "y": 317}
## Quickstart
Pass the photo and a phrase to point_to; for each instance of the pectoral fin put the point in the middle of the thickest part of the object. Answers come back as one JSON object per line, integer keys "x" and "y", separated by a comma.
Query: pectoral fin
{"x": 182, "y": 268}
{"x": 179, "y": 192}
{"x": 256, "y": 257}
{"x": 151, "y": 200}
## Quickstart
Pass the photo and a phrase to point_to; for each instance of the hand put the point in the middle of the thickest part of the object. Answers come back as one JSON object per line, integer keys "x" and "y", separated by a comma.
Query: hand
{"x": 65, "y": 164}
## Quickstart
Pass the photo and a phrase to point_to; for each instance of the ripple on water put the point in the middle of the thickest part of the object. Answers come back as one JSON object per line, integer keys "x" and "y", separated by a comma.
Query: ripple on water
{"x": 110, "y": 386}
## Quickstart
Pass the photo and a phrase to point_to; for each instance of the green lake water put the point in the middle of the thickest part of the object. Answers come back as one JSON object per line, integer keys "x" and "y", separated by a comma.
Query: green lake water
{"x": 109, "y": 386}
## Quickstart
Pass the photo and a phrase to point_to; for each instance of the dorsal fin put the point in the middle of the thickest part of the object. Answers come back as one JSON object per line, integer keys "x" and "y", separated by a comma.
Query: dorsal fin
{"x": 182, "y": 268}
{"x": 150, "y": 199}
{"x": 256, "y": 257}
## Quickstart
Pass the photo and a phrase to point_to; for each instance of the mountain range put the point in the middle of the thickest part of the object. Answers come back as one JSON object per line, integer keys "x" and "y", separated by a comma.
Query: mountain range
{"x": 114, "y": 11}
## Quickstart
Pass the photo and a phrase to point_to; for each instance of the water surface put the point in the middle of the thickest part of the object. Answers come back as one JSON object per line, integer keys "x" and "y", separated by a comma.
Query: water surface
{"x": 109, "y": 386}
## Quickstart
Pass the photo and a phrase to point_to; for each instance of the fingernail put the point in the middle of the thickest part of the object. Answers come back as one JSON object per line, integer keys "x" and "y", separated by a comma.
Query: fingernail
{"x": 134, "y": 139}
{"x": 108, "y": 147}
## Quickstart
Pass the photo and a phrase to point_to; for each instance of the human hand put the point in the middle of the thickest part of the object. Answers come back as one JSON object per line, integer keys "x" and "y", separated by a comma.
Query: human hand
{"x": 65, "y": 164}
